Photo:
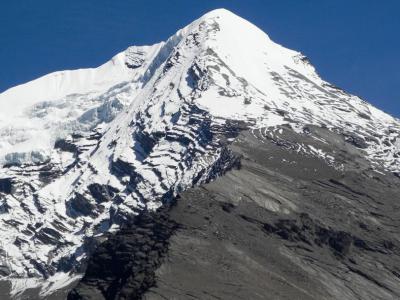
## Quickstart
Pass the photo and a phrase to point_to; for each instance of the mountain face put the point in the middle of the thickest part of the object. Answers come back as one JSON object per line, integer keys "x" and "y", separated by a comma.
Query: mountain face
{"x": 218, "y": 149}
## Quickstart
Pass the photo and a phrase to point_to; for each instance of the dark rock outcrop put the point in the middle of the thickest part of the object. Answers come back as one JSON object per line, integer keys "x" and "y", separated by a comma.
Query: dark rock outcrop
{"x": 67, "y": 146}
{"x": 102, "y": 193}
{"x": 124, "y": 266}
{"x": 6, "y": 185}
{"x": 80, "y": 205}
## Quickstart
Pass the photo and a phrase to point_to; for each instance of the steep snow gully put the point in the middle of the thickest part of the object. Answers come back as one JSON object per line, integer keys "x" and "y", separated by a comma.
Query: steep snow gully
{"x": 83, "y": 152}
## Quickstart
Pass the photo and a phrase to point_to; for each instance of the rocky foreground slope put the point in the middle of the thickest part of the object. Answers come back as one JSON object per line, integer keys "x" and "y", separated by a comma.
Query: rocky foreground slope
{"x": 279, "y": 225}
{"x": 215, "y": 165}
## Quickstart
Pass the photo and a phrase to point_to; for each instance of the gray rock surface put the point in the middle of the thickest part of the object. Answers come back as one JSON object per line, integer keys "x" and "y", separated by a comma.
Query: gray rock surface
{"x": 284, "y": 225}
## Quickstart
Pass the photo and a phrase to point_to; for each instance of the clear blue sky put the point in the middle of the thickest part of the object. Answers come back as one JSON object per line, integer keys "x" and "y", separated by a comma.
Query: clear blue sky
{"x": 354, "y": 44}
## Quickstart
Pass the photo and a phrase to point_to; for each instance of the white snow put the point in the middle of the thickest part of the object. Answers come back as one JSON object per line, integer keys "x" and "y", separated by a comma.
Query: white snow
{"x": 57, "y": 85}
{"x": 35, "y": 114}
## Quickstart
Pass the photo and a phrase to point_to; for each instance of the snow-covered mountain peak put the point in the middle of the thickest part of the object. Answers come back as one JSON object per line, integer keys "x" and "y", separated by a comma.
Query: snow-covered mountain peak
{"x": 34, "y": 115}
{"x": 84, "y": 150}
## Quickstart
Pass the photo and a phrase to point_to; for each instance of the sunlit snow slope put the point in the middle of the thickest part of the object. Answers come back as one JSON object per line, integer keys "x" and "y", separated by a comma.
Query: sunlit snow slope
{"x": 81, "y": 151}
